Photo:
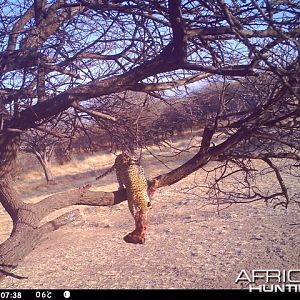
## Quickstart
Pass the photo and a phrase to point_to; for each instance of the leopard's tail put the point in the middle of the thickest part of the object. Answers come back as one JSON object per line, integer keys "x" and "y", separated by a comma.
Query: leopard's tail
{"x": 106, "y": 172}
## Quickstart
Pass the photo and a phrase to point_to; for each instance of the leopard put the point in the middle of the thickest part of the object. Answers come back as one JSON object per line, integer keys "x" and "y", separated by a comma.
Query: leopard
{"x": 131, "y": 176}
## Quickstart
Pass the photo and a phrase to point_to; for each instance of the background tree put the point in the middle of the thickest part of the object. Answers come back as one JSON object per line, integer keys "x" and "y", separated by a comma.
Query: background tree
{"x": 43, "y": 141}
{"x": 274, "y": 140}
{"x": 43, "y": 148}
{"x": 62, "y": 55}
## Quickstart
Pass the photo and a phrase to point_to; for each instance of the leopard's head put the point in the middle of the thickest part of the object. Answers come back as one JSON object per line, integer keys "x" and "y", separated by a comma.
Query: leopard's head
{"x": 129, "y": 158}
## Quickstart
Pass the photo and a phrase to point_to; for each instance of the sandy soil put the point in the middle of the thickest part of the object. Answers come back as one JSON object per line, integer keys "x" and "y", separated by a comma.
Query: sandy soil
{"x": 187, "y": 246}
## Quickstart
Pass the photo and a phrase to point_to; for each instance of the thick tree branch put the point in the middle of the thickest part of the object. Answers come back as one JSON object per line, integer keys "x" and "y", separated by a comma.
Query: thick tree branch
{"x": 201, "y": 158}
{"x": 152, "y": 87}
{"x": 80, "y": 196}
{"x": 227, "y": 32}
{"x": 234, "y": 70}
{"x": 93, "y": 113}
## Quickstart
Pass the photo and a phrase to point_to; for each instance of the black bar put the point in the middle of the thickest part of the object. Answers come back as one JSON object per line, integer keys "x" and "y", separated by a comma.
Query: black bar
{"x": 74, "y": 294}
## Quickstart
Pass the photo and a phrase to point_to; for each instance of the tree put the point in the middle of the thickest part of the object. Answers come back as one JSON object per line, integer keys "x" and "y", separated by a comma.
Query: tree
{"x": 43, "y": 149}
{"x": 257, "y": 104}
{"x": 61, "y": 55}
{"x": 43, "y": 142}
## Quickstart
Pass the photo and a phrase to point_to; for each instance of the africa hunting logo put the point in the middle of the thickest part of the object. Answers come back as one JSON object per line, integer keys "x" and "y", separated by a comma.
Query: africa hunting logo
{"x": 270, "y": 280}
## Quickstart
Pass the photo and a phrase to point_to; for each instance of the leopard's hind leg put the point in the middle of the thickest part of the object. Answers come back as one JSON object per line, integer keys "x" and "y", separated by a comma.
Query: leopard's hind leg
{"x": 141, "y": 223}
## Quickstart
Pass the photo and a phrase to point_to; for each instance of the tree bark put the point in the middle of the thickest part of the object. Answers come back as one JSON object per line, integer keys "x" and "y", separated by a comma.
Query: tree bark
{"x": 48, "y": 173}
{"x": 9, "y": 145}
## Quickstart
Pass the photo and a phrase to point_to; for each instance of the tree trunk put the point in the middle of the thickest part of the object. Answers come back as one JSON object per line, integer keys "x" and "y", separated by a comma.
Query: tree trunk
{"x": 46, "y": 165}
{"x": 27, "y": 232}
{"x": 24, "y": 221}
{"x": 48, "y": 172}
{"x": 9, "y": 145}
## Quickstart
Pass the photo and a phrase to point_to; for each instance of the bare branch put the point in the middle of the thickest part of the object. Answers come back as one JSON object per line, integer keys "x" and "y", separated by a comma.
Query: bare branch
{"x": 93, "y": 112}
{"x": 280, "y": 180}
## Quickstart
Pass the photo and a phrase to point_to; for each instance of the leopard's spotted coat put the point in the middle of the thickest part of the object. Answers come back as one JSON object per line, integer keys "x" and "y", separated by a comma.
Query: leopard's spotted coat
{"x": 130, "y": 175}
